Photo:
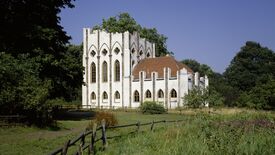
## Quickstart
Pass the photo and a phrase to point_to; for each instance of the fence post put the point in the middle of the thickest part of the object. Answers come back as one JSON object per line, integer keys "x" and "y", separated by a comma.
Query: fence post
{"x": 65, "y": 148}
{"x": 152, "y": 126}
{"x": 104, "y": 139}
{"x": 82, "y": 143}
{"x": 138, "y": 126}
{"x": 92, "y": 145}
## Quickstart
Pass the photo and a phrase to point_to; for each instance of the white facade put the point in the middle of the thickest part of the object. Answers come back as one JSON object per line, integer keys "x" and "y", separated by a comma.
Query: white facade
{"x": 109, "y": 60}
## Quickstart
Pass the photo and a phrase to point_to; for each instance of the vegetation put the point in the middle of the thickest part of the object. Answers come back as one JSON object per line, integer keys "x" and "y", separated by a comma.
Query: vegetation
{"x": 124, "y": 22}
{"x": 240, "y": 133}
{"x": 151, "y": 107}
{"x": 227, "y": 131}
{"x": 110, "y": 119}
{"x": 247, "y": 82}
{"x": 36, "y": 63}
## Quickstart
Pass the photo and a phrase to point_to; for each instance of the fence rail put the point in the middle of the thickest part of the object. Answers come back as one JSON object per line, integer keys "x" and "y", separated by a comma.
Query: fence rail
{"x": 103, "y": 128}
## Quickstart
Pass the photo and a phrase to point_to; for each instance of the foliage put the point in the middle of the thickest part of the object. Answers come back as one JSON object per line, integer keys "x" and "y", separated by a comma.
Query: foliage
{"x": 70, "y": 75}
{"x": 150, "y": 107}
{"x": 200, "y": 97}
{"x": 242, "y": 133}
{"x": 251, "y": 65}
{"x": 32, "y": 27}
{"x": 22, "y": 92}
{"x": 124, "y": 22}
{"x": 203, "y": 69}
{"x": 261, "y": 96}
{"x": 110, "y": 118}
{"x": 36, "y": 64}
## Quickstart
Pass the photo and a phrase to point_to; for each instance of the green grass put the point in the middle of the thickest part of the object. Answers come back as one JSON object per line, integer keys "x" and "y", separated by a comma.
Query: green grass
{"x": 225, "y": 132}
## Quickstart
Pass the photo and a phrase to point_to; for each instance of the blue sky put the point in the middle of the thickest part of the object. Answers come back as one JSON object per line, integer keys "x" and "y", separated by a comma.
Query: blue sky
{"x": 209, "y": 31}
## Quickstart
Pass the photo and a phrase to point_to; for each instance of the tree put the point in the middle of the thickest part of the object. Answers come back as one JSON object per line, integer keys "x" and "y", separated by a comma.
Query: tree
{"x": 261, "y": 96}
{"x": 36, "y": 64}
{"x": 251, "y": 65}
{"x": 203, "y": 69}
{"x": 22, "y": 92}
{"x": 198, "y": 97}
{"x": 124, "y": 22}
{"x": 32, "y": 26}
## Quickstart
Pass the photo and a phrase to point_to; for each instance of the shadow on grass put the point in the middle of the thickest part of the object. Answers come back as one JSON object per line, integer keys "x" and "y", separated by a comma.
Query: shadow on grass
{"x": 75, "y": 115}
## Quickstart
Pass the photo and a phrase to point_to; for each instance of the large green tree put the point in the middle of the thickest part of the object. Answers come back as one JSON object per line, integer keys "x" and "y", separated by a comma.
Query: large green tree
{"x": 253, "y": 64}
{"x": 124, "y": 22}
{"x": 36, "y": 62}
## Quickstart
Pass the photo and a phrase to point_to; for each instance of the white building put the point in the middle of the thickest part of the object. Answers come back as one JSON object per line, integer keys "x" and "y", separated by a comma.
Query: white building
{"x": 121, "y": 71}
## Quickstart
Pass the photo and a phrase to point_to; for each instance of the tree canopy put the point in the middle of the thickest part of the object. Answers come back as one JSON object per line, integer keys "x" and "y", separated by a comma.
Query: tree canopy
{"x": 124, "y": 22}
{"x": 32, "y": 26}
{"x": 253, "y": 64}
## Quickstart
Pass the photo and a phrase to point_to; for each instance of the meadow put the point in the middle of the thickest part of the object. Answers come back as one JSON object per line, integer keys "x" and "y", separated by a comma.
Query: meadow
{"x": 224, "y": 131}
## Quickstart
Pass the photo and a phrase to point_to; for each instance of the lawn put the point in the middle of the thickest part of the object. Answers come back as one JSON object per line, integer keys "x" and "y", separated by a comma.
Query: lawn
{"x": 230, "y": 131}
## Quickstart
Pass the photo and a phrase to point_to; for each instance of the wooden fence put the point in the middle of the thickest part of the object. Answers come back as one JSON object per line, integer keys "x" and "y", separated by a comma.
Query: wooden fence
{"x": 93, "y": 139}
{"x": 11, "y": 120}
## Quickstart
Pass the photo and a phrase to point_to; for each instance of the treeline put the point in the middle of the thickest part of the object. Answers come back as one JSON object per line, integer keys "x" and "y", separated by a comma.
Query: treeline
{"x": 249, "y": 80}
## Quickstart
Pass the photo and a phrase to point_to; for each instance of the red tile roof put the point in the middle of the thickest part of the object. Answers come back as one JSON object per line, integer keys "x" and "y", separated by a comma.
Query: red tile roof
{"x": 150, "y": 65}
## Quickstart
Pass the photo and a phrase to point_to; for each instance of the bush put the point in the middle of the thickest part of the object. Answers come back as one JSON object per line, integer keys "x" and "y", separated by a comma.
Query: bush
{"x": 151, "y": 107}
{"x": 109, "y": 118}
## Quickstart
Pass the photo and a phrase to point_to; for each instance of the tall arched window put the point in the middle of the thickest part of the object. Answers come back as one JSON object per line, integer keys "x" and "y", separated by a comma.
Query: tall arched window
{"x": 117, "y": 70}
{"x": 136, "y": 96}
{"x": 117, "y": 95}
{"x": 173, "y": 93}
{"x": 160, "y": 94}
{"x": 148, "y": 94}
{"x": 93, "y": 97}
{"x": 93, "y": 73}
{"x": 104, "y": 72}
{"x": 104, "y": 95}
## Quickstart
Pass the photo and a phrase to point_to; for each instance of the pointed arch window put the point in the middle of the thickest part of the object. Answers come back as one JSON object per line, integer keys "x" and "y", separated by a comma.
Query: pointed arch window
{"x": 93, "y": 73}
{"x": 117, "y": 70}
{"x": 93, "y": 96}
{"x": 136, "y": 96}
{"x": 104, "y": 72}
{"x": 173, "y": 93}
{"x": 160, "y": 94}
{"x": 148, "y": 94}
{"x": 104, "y": 95}
{"x": 117, "y": 95}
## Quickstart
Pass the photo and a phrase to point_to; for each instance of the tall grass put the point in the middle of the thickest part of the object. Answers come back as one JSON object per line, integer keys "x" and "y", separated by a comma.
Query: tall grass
{"x": 236, "y": 131}
{"x": 246, "y": 133}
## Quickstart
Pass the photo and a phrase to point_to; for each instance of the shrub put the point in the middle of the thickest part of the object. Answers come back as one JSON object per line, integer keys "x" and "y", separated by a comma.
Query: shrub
{"x": 151, "y": 107}
{"x": 109, "y": 118}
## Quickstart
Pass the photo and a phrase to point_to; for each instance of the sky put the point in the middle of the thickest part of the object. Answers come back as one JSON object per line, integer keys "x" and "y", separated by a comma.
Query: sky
{"x": 209, "y": 31}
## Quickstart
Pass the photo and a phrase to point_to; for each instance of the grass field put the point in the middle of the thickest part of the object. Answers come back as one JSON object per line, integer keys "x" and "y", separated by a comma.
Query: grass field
{"x": 226, "y": 131}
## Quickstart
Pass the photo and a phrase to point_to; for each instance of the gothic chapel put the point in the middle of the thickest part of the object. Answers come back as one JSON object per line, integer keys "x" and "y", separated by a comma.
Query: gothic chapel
{"x": 121, "y": 71}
